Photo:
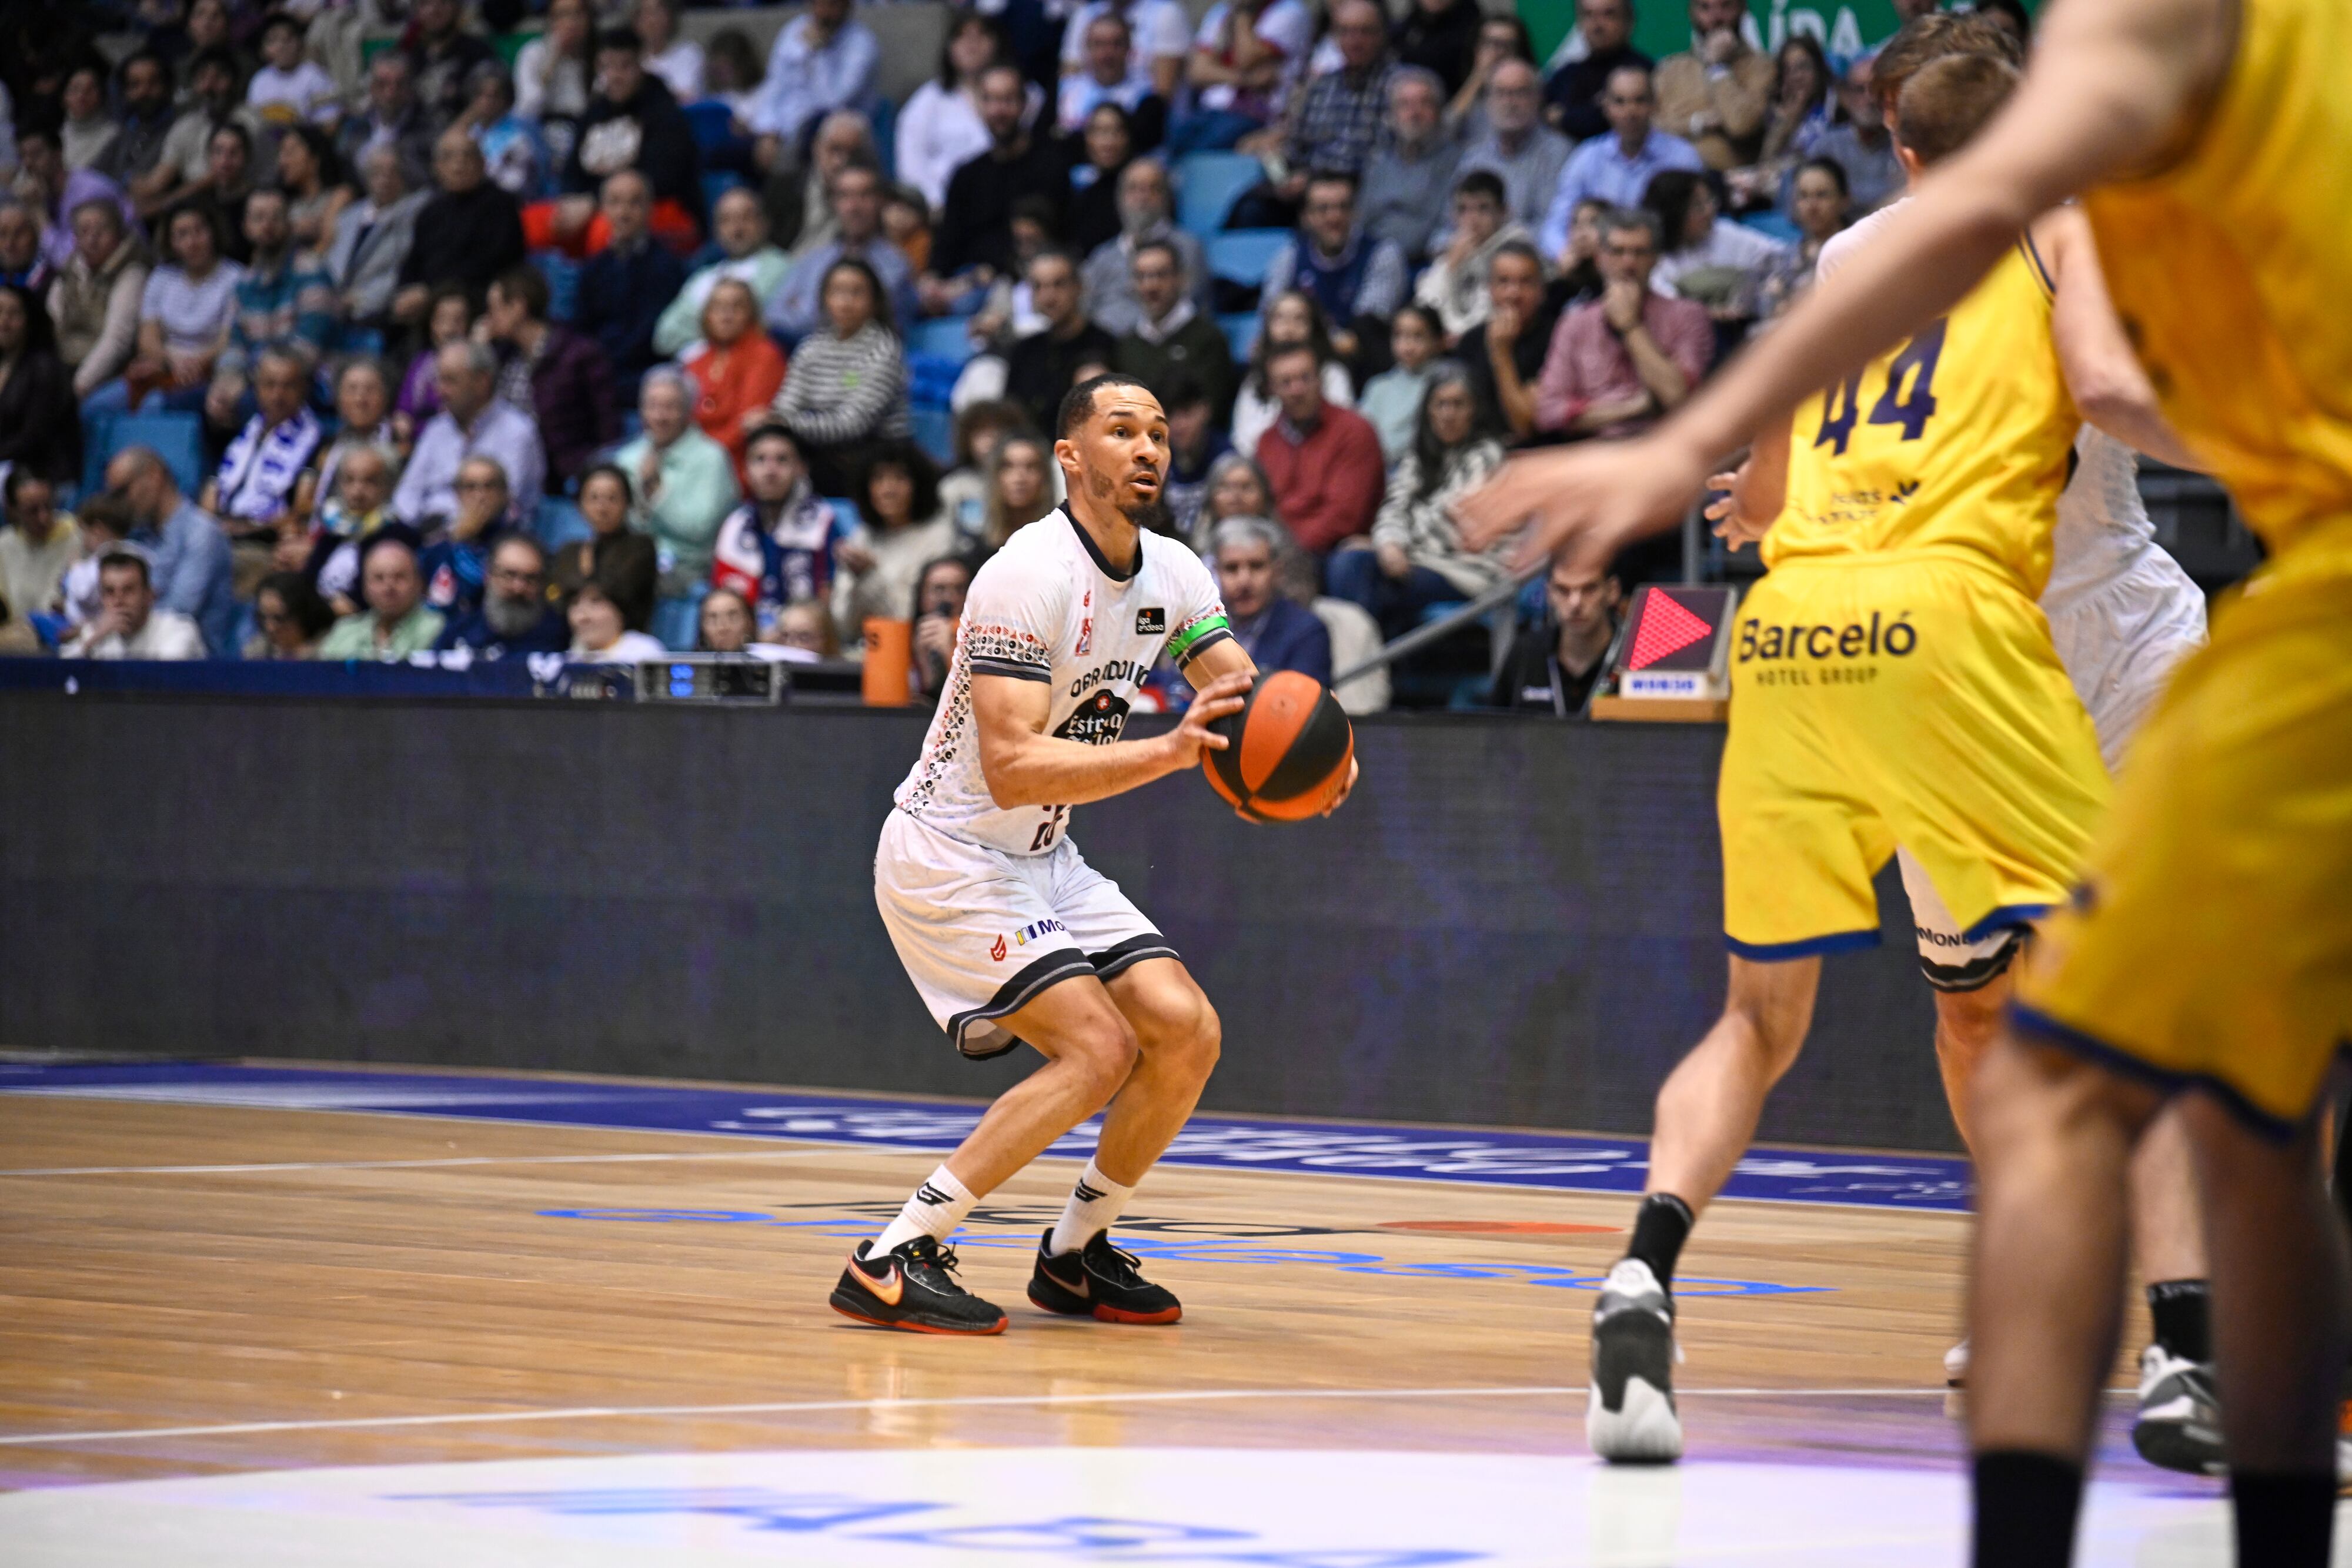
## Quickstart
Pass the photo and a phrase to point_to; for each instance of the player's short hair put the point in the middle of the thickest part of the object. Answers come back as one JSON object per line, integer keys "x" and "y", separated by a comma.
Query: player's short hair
{"x": 1948, "y": 102}
{"x": 127, "y": 560}
{"x": 1079, "y": 402}
{"x": 1934, "y": 36}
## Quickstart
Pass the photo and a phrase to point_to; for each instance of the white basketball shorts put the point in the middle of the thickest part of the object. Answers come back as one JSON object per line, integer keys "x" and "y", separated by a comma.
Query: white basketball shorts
{"x": 2120, "y": 644}
{"x": 983, "y": 933}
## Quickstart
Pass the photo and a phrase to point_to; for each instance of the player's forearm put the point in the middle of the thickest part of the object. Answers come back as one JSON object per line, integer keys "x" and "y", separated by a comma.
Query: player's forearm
{"x": 1047, "y": 770}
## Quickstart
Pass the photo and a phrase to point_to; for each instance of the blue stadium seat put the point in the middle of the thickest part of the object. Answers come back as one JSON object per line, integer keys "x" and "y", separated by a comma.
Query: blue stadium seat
{"x": 562, "y": 275}
{"x": 177, "y": 438}
{"x": 1774, "y": 225}
{"x": 1209, "y": 183}
{"x": 713, "y": 124}
{"x": 935, "y": 433}
{"x": 885, "y": 116}
{"x": 845, "y": 520}
{"x": 942, "y": 337}
{"x": 1241, "y": 333}
{"x": 557, "y": 523}
{"x": 677, "y": 621}
{"x": 1242, "y": 256}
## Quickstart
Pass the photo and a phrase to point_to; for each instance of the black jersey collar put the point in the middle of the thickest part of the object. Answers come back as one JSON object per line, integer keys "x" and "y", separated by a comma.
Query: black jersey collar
{"x": 1102, "y": 562}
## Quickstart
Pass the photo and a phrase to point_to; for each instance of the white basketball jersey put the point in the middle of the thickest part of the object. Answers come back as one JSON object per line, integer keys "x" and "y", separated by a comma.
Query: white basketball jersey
{"x": 1048, "y": 607}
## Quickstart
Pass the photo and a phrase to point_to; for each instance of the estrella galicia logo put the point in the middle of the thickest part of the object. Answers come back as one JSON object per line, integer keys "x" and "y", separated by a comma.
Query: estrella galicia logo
{"x": 1151, "y": 623}
{"x": 1098, "y": 721}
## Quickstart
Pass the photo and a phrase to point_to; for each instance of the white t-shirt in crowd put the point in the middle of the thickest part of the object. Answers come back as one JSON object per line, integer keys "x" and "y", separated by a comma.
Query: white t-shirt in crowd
{"x": 285, "y": 98}
{"x": 629, "y": 648}
{"x": 1157, "y": 30}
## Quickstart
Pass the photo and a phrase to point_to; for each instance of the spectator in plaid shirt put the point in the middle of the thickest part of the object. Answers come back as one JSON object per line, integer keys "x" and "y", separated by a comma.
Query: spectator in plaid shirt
{"x": 1335, "y": 120}
{"x": 285, "y": 299}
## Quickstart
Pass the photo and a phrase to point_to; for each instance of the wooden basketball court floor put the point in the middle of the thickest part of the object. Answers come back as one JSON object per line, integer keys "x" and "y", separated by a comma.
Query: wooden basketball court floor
{"x": 241, "y": 1333}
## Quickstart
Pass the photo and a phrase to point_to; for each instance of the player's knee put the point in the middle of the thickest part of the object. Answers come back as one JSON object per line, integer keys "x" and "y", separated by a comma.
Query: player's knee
{"x": 1200, "y": 1041}
{"x": 1776, "y": 1032}
{"x": 1104, "y": 1052}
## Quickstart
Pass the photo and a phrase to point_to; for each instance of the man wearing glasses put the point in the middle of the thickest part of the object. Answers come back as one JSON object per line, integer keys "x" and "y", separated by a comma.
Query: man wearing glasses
{"x": 514, "y": 617}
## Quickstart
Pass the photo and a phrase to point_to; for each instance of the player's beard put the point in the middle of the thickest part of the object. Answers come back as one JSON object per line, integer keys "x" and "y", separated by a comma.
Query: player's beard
{"x": 1153, "y": 516}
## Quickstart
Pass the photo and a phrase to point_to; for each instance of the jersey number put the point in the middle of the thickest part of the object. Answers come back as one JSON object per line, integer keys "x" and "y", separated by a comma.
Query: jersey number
{"x": 1843, "y": 402}
{"x": 1048, "y": 828}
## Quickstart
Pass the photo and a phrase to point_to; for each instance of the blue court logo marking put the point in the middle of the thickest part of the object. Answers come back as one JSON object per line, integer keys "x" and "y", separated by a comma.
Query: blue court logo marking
{"x": 1093, "y": 1538}
{"x": 1134, "y": 1237}
{"x": 1564, "y": 1161}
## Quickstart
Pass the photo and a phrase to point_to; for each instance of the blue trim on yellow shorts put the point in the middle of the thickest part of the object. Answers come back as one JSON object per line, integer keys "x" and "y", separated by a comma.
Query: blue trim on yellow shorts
{"x": 2124, "y": 1064}
{"x": 1811, "y": 947}
{"x": 2009, "y": 916}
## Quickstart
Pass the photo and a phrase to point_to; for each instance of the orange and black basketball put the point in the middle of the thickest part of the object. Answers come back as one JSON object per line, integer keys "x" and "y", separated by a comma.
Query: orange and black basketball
{"x": 1291, "y": 744}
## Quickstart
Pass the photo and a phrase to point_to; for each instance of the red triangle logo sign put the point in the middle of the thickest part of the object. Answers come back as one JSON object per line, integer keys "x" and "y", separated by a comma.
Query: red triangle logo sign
{"x": 1667, "y": 627}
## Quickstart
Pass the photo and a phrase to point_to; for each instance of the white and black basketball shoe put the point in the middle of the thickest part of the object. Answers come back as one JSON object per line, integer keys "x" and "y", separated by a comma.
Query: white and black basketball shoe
{"x": 1630, "y": 1417}
{"x": 2179, "y": 1426}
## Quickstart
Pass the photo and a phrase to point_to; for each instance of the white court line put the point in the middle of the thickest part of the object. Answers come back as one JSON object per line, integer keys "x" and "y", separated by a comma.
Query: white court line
{"x": 816, "y": 1153}
{"x": 976, "y": 1401}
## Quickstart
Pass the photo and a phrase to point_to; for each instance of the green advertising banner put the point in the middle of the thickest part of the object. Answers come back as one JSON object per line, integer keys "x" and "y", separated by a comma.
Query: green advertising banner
{"x": 1661, "y": 28}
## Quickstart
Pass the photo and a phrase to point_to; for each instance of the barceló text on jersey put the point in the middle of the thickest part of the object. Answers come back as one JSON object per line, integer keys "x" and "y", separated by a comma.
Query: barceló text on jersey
{"x": 1778, "y": 644}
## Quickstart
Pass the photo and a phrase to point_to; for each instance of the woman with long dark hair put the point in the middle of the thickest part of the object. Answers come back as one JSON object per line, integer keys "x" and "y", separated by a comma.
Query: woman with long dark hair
{"x": 317, "y": 188}
{"x": 900, "y": 527}
{"x": 40, "y": 424}
{"x": 847, "y": 387}
{"x": 940, "y": 129}
{"x": 1417, "y": 557}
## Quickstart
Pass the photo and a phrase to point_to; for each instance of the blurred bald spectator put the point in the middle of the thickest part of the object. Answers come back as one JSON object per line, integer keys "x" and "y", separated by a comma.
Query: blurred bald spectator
{"x": 472, "y": 420}
{"x": 1147, "y": 212}
{"x": 1517, "y": 147}
{"x": 397, "y": 621}
{"x": 191, "y": 570}
{"x": 823, "y": 59}
{"x": 469, "y": 232}
{"x": 372, "y": 236}
{"x": 1409, "y": 178}
{"x": 558, "y": 375}
{"x": 514, "y": 616}
{"x": 95, "y": 299}
{"x": 739, "y": 226}
{"x": 684, "y": 482}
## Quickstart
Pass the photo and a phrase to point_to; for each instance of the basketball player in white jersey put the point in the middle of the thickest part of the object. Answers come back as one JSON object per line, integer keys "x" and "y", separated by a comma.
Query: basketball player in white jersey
{"x": 2121, "y": 616}
{"x": 1006, "y": 931}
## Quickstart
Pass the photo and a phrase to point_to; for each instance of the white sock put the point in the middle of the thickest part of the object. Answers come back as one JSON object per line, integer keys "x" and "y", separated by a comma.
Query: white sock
{"x": 1094, "y": 1207}
{"x": 937, "y": 1206}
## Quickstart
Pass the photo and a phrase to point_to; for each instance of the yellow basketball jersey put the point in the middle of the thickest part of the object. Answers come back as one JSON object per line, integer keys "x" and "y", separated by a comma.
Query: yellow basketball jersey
{"x": 1954, "y": 443}
{"x": 2232, "y": 271}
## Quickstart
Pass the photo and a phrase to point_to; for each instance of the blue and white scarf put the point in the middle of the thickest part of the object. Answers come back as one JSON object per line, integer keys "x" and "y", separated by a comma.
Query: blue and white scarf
{"x": 259, "y": 471}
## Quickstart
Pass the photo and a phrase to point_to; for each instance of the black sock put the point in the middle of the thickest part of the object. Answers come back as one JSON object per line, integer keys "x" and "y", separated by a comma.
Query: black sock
{"x": 2283, "y": 1521}
{"x": 1660, "y": 1229}
{"x": 2026, "y": 1504}
{"x": 2182, "y": 1324}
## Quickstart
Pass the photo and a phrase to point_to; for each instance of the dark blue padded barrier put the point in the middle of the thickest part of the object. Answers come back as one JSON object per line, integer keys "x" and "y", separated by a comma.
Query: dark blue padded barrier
{"x": 1514, "y": 922}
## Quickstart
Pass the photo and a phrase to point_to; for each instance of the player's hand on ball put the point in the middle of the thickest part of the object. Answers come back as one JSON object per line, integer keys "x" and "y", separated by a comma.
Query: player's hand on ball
{"x": 1355, "y": 771}
{"x": 1219, "y": 700}
{"x": 1583, "y": 503}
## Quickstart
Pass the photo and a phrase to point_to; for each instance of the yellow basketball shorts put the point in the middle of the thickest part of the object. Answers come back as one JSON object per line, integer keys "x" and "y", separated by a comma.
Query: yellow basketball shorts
{"x": 1881, "y": 701}
{"x": 2211, "y": 943}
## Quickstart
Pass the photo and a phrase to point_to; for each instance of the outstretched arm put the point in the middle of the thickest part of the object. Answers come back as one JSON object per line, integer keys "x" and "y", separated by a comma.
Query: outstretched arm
{"x": 2109, "y": 387}
{"x": 1026, "y": 767}
{"x": 2111, "y": 92}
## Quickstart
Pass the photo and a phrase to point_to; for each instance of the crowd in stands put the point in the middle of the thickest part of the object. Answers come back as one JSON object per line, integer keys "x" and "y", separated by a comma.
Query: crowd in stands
{"x": 382, "y": 328}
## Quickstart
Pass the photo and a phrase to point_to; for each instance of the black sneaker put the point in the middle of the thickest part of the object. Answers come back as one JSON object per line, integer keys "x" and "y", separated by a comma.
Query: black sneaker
{"x": 1102, "y": 1281}
{"x": 912, "y": 1287}
{"x": 1629, "y": 1416}
{"x": 2179, "y": 1426}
